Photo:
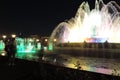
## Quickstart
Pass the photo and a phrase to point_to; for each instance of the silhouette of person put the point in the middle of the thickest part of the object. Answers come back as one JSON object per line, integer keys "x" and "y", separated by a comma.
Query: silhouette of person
{"x": 41, "y": 54}
{"x": 10, "y": 48}
{"x": 7, "y": 48}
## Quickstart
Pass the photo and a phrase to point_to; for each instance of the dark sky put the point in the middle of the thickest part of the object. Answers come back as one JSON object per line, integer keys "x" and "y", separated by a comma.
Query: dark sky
{"x": 36, "y": 17}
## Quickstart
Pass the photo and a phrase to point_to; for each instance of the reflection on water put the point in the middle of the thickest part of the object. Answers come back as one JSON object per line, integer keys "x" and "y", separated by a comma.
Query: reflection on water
{"x": 100, "y": 65}
{"x": 88, "y": 68}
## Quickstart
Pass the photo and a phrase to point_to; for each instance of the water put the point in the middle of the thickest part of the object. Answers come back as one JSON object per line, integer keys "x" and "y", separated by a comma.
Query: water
{"x": 97, "y": 25}
{"x": 92, "y": 64}
{"x": 99, "y": 65}
{"x": 25, "y": 47}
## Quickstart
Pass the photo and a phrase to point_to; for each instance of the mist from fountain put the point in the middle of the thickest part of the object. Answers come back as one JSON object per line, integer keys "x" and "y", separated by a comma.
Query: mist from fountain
{"x": 97, "y": 25}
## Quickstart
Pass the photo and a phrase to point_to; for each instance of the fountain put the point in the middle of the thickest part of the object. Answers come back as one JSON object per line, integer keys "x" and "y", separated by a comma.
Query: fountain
{"x": 27, "y": 47}
{"x": 98, "y": 25}
{"x": 2, "y": 45}
{"x": 92, "y": 33}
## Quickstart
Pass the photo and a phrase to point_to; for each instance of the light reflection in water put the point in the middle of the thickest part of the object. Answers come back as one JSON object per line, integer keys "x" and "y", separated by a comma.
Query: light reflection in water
{"x": 99, "y": 65}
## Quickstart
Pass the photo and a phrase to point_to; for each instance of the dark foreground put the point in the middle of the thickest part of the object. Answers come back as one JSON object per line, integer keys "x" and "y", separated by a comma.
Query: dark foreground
{"x": 30, "y": 70}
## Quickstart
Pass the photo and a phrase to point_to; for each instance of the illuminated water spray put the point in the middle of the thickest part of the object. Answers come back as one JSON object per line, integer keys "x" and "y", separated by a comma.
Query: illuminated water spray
{"x": 97, "y": 25}
{"x": 2, "y": 45}
{"x": 27, "y": 46}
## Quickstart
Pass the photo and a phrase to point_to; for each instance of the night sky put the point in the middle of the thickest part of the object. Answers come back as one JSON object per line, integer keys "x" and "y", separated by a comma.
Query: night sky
{"x": 37, "y": 17}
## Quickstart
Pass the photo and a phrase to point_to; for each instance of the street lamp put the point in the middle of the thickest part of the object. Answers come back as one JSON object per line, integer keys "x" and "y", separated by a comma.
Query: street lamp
{"x": 46, "y": 40}
{"x": 13, "y": 35}
{"x": 37, "y": 40}
{"x": 4, "y": 36}
{"x": 55, "y": 40}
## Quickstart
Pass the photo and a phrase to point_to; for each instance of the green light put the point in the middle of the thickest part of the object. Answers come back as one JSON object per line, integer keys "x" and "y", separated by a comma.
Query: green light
{"x": 2, "y": 45}
{"x": 26, "y": 47}
{"x": 50, "y": 46}
{"x": 20, "y": 45}
{"x": 20, "y": 55}
{"x": 39, "y": 46}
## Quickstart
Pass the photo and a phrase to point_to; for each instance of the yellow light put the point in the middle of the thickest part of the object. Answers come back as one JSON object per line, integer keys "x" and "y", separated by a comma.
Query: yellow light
{"x": 55, "y": 40}
{"x": 3, "y": 54}
{"x": 70, "y": 65}
{"x": 30, "y": 40}
{"x": 4, "y": 36}
{"x": 13, "y": 35}
{"x": 37, "y": 40}
{"x": 46, "y": 40}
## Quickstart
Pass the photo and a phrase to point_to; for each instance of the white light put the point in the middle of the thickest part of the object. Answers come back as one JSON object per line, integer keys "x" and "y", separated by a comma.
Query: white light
{"x": 4, "y": 36}
{"x": 55, "y": 40}
{"x": 3, "y": 54}
{"x": 37, "y": 40}
{"x": 45, "y": 48}
{"x": 13, "y": 35}
{"x": 46, "y": 40}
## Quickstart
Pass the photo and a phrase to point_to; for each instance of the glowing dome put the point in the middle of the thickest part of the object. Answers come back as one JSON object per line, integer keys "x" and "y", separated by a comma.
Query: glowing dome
{"x": 97, "y": 25}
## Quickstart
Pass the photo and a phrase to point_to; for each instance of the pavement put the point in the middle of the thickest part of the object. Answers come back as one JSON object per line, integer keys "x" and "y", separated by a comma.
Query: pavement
{"x": 21, "y": 70}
